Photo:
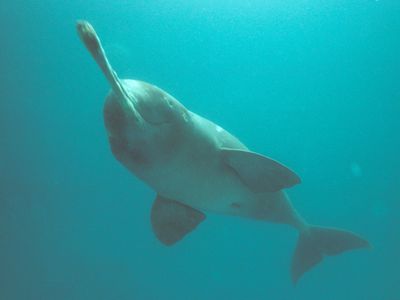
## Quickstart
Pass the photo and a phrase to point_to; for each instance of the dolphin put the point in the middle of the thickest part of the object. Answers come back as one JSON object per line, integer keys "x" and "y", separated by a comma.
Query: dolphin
{"x": 196, "y": 166}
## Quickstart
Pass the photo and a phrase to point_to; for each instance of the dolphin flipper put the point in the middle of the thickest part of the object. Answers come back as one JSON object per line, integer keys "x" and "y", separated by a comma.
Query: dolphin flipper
{"x": 172, "y": 220}
{"x": 258, "y": 172}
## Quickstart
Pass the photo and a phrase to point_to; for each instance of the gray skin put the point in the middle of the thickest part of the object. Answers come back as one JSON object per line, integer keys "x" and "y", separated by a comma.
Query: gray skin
{"x": 195, "y": 165}
{"x": 178, "y": 154}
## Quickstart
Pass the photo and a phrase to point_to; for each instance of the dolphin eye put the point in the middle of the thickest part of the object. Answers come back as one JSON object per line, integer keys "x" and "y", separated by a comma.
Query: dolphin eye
{"x": 138, "y": 156}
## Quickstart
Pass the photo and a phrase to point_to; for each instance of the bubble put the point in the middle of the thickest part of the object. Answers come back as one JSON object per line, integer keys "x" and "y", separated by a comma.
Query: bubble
{"x": 380, "y": 209}
{"x": 356, "y": 169}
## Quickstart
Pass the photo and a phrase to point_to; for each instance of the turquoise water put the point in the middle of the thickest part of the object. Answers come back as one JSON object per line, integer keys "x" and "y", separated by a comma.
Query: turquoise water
{"x": 313, "y": 84}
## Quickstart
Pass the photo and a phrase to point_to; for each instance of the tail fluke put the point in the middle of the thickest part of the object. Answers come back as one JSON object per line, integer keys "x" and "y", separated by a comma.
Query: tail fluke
{"x": 316, "y": 242}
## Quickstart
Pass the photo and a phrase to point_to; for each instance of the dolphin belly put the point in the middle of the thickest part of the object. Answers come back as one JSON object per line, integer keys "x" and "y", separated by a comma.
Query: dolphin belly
{"x": 205, "y": 186}
{"x": 200, "y": 180}
{"x": 196, "y": 175}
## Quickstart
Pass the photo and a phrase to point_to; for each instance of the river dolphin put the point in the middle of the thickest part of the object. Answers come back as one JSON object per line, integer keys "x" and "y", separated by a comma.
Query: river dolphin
{"x": 196, "y": 166}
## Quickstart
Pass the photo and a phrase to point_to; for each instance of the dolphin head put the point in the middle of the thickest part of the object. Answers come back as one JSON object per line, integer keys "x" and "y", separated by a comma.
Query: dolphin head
{"x": 143, "y": 122}
{"x": 144, "y": 127}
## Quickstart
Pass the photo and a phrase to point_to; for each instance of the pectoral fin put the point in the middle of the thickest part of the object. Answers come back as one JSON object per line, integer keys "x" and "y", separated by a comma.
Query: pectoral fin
{"x": 258, "y": 172}
{"x": 172, "y": 220}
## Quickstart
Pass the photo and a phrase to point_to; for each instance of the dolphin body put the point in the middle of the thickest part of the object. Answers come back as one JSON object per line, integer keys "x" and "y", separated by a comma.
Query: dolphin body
{"x": 195, "y": 165}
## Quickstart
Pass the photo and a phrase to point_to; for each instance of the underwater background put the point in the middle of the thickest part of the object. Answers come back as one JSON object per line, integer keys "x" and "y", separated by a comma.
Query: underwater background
{"x": 313, "y": 84}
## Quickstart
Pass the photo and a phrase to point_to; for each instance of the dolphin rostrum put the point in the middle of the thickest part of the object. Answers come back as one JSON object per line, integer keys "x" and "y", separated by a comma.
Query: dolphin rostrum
{"x": 195, "y": 165}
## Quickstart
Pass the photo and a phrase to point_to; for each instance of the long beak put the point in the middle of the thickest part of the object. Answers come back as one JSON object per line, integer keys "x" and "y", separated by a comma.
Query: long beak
{"x": 92, "y": 42}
